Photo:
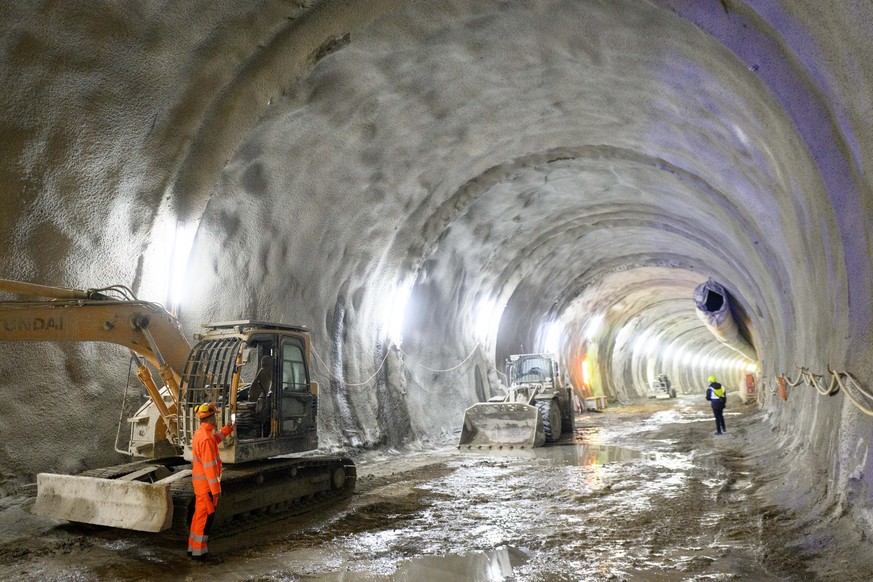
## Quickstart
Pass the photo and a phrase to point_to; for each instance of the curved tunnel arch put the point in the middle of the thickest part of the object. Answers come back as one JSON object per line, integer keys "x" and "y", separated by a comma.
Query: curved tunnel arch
{"x": 452, "y": 206}
{"x": 349, "y": 153}
{"x": 617, "y": 219}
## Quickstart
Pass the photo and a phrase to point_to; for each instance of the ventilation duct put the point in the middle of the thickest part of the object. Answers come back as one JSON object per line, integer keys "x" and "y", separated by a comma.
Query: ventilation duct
{"x": 714, "y": 310}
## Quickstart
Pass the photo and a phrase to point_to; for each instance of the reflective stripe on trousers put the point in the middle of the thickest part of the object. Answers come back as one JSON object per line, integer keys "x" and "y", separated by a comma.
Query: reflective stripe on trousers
{"x": 201, "y": 523}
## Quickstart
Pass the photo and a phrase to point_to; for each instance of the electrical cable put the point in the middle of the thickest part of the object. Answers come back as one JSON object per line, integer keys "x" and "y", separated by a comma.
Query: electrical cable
{"x": 812, "y": 379}
{"x": 382, "y": 364}
{"x": 470, "y": 355}
{"x": 364, "y": 383}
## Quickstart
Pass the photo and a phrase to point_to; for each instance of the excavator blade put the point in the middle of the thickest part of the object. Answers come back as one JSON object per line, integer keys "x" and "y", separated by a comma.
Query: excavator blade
{"x": 506, "y": 424}
{"x": 111, "y": 502}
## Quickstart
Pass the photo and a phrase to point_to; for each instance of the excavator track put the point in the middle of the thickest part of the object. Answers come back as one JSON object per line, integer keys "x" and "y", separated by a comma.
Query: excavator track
{"x": 262, "y": 491}
{"x": 253, "y": 493}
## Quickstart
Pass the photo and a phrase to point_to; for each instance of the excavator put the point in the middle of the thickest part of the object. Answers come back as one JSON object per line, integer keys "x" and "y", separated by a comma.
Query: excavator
{"x": 257, "y": 374}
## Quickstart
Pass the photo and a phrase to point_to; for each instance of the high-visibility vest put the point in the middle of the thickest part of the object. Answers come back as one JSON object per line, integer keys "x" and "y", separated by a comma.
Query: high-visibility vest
{"x": 717, "y": 393}
{"x": 205, "y": 460}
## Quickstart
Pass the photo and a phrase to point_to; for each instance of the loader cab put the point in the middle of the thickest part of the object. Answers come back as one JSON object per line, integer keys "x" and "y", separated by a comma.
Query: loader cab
{"x": 530, "y": 368}
{"x": 258, "y": 371}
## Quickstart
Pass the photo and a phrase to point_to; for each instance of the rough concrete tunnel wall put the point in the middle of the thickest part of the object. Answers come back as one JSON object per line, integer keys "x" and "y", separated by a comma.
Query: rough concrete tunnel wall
{"x": 498, "y": 168}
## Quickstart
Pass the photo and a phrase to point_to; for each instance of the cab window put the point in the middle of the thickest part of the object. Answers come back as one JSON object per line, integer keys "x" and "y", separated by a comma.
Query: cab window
{"x": 293, "y": 369}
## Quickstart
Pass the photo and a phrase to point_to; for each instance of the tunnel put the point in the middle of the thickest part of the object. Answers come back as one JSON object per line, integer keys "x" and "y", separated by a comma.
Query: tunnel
{"x": 431, "y": 187}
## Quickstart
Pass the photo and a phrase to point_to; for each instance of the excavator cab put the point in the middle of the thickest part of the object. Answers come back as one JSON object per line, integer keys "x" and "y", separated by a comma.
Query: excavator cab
{"x": 259, "y": 372}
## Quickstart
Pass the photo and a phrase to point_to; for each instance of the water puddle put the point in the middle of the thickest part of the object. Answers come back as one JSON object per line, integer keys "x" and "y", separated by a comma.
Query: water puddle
{"x": 585, "y": 455}
{"x": 498, "y": 564}
{"x": 582, "y": 455}
{"x": 682, "y": 416}
{"x": 491, "y": 566}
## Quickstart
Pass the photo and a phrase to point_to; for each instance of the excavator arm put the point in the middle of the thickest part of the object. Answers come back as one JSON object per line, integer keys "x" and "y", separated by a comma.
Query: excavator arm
{"x": 73, "y": 315}
{"x": 56, "y": 314}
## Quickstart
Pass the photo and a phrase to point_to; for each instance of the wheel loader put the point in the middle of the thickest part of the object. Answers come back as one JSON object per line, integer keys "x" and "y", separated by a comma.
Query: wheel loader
{"x": 257, "y": 373}
{"x": 535, "y": 409}
{"x": 662, "y": 388}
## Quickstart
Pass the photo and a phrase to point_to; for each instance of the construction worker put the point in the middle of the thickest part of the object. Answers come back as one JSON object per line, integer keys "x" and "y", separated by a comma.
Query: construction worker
{"x": 206, "y": 478}
{"x": 715, "y": 395}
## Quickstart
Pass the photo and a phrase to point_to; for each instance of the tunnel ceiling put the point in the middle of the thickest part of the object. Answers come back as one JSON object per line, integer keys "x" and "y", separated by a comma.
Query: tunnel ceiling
{"x": 517, "y": 157}
{"x": 552, "y": 160}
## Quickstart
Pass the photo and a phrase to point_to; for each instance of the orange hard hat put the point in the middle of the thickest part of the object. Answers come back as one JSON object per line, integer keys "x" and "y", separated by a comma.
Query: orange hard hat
{"x": 205, "y": 410}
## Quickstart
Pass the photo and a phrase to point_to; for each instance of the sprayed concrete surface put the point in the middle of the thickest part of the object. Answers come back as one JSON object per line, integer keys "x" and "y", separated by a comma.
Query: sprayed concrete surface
{"x": 638, "y": 493}
{"x": 431, "y": 186}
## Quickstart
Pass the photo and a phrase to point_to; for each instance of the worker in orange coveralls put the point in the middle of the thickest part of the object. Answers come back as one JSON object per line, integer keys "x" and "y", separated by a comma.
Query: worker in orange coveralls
{"x": 206, "y": 478}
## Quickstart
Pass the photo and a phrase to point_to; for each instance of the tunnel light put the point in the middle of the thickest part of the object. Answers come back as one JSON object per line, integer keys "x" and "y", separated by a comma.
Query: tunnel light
{"x": 486, "y": 319}
{"x": 667, "y": 352}
{"x": 752, "y": 367}
{"x": 651, "y": 344}
{"x": 395, "y": 312}
{"x": 593, "y": 327}
{"x": 625, "y": 335}
{"x": 552, "y": 343}
{"x": 586, "y": 373}
{"x": 178, "y": 241}
{"x": 640, "y": 342}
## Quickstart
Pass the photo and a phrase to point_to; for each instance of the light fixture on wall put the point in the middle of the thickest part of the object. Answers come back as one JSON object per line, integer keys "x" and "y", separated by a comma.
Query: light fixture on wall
{"x": 180, "y": 249}
{"x": 394, "y": 313}
{"x": 593, "y": 327}
{"x": 552, "y": 342}
{"x": 484, "y": 318}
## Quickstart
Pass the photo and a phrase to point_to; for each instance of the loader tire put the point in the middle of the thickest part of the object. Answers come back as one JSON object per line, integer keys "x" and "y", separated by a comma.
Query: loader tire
{"x": 550, "y": 413}
{"x": 568, "y": 424}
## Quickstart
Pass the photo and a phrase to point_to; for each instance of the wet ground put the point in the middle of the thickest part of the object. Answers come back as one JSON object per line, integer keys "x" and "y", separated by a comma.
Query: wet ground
{"x": 637, "y": 493}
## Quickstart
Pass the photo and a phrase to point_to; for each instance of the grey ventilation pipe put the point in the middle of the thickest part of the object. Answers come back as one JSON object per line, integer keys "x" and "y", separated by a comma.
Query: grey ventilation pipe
{"x": 714, "y": 310}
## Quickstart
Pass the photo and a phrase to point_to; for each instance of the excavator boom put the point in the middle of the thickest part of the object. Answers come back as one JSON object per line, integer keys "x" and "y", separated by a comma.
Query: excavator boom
{"x": 110, "y": 321}
{"x": 76, "y": 315}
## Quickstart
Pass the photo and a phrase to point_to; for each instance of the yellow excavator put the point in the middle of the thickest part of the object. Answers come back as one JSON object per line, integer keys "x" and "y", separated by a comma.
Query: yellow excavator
{"x": 257, "y": 373}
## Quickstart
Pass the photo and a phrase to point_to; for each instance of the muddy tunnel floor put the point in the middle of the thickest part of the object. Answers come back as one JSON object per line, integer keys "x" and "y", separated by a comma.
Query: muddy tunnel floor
{"x": 642, "y": 492}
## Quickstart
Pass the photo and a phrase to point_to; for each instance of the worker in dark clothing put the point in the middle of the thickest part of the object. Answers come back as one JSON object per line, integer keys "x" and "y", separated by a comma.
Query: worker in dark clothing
{"x": 715, "y": 395}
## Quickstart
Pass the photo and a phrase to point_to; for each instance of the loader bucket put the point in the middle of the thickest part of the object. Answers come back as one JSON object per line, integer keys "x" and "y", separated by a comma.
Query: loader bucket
{"x": 506, "y": 424}
{"x": 112, "y": 502}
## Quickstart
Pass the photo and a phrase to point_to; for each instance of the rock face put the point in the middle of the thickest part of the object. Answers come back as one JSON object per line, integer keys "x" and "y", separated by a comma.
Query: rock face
{"x": 549, "y": 175}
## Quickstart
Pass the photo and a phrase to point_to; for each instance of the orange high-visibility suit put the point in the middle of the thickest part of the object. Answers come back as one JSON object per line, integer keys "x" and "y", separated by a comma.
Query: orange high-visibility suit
{"x": 206, "y": 478}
